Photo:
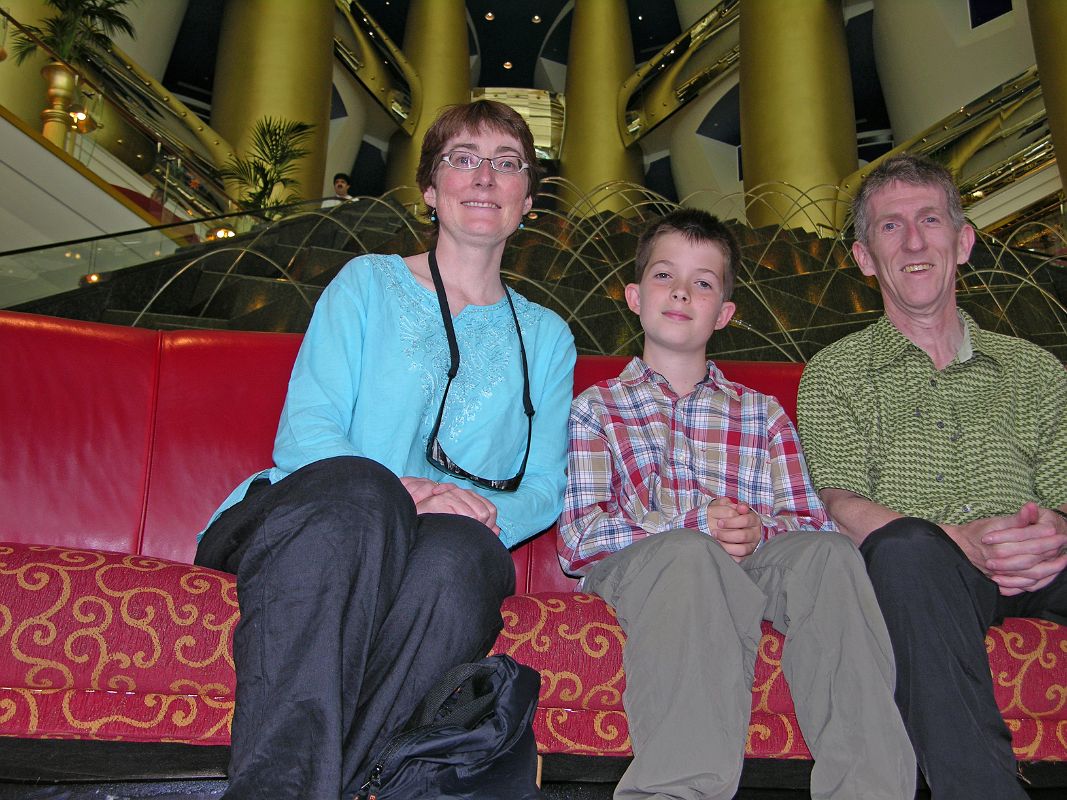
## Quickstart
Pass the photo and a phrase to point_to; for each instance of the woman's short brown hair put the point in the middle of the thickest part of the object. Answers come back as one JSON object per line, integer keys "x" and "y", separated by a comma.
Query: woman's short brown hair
{"x": 480, "y": 115}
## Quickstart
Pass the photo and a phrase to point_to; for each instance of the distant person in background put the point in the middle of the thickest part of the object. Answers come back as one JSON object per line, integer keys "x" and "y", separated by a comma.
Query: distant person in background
{"x": 341, "y": 185}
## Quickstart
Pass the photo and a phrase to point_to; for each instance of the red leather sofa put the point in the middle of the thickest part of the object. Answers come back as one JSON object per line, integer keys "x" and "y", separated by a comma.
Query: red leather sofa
{"x": 117, "y": 443}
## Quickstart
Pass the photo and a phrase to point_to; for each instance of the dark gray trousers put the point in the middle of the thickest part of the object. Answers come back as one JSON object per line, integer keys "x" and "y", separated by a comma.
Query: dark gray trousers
{"x": 352, "y": 606}
{"x": 938, "y": 607}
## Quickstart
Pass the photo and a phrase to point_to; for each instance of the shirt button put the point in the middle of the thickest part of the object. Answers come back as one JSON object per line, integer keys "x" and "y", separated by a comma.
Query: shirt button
{"x": 954, "y": 437}
{"x": 933, "y": 382}
{"x": 918, "y": 412}
{"x": 940, "y": 424}
{"x": 939, "y": 477}
{"x": 966, "y": 509}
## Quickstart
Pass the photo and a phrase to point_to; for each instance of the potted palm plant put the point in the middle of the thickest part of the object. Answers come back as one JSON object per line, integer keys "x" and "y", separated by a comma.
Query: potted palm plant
{"x": 77, "y": 30}
{"x": 264, "y": 177}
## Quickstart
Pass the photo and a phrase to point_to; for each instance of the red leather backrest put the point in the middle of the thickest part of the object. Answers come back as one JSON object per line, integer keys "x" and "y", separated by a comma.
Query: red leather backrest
{"x": 125, "y": 439}
{"x": 76, "y": 404}
{"x": 220, "y": 396}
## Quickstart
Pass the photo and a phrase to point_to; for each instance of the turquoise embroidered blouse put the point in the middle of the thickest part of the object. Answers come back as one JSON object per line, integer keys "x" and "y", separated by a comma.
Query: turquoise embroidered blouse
{"x": 369, "y": 377}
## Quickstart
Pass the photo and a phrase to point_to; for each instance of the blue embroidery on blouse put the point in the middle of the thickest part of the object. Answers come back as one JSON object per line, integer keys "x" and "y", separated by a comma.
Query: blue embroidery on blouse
{"x": 487, "y": 343}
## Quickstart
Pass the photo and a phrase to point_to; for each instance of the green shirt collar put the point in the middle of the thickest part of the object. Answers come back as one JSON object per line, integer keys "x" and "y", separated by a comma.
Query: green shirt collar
{"x": 888, "y": 343}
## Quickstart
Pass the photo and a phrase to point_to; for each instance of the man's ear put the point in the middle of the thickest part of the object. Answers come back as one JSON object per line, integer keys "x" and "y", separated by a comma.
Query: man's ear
{"x": 964, "y": 243}
{"x": 726, "y": 313}
{"x": 863, "y": 258}
{"x": 633, "y": 297}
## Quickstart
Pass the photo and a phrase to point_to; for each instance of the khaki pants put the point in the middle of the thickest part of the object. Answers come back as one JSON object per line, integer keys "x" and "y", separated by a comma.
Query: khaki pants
{"x": 692, "y": 619}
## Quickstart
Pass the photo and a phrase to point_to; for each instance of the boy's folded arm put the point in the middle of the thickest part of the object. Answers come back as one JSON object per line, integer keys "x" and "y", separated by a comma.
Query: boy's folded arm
{"x": 593, "y": 532}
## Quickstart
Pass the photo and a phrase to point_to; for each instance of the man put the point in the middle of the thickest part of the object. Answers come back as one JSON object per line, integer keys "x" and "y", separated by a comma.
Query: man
{"x": 689, "y": 510}
{"x": 941, "y": 449}
{"x": 341, "y": 185}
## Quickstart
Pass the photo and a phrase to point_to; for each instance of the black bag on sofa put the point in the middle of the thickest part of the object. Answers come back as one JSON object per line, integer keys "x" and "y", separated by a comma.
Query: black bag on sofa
{"x": 470, "y": 739}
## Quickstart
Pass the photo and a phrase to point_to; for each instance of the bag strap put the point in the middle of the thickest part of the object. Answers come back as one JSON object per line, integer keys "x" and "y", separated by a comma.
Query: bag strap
{"x": 468, "y": 708}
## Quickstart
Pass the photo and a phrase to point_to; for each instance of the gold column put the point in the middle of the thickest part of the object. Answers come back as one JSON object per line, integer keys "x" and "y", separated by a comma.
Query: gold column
{"x": 593, "y": 152}
{"x": 435, "y": 43}
{"x": 276, "y": 59}
{"x": 798, "y": 130}
{"x": 1048, "y": 29}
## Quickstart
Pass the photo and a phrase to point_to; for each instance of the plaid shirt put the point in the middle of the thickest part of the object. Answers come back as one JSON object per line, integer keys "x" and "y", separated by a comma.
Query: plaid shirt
{"x": 643, "y": 461}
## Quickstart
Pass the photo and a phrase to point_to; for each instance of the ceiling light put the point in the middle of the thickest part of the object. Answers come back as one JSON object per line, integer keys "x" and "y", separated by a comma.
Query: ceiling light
{"x": 536, "y": 19}
{"x": 507, "y": 65}
{"x": 489, "y": 15}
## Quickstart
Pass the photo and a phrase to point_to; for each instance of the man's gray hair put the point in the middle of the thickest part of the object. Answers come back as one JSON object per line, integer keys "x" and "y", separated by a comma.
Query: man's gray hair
{"x": 907, "y": 168}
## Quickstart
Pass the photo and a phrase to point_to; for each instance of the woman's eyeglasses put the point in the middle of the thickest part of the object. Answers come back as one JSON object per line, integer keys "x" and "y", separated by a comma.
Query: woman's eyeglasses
{"x": 461, "y": 159}
{"x": 435, "y": 454}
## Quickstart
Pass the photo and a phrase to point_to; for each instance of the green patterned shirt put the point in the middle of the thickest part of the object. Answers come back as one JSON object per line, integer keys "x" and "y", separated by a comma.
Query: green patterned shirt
{"x": 976, "y": 439}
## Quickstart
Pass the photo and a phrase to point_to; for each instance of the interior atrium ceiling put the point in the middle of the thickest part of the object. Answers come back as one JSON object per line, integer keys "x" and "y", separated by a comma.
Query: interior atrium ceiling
{"x": 515, "y": 32}
{"x": 519, "y": 33}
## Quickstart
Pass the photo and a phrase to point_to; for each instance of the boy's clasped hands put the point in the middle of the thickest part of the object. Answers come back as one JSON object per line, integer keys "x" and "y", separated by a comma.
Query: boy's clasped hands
{"x": 737, "y": 527}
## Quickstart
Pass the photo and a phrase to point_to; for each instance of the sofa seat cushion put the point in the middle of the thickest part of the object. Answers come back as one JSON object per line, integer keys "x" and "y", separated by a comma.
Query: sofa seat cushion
{"x": 114, "y": 646}
{"x": 576, "y": 643}
{"x": 1028, "y": 661}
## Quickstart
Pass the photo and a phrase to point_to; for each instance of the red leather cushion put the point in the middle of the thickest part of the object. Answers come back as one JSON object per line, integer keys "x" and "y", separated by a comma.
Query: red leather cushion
{"x": 220, "y": 396}
{"x": 76, "y": 400}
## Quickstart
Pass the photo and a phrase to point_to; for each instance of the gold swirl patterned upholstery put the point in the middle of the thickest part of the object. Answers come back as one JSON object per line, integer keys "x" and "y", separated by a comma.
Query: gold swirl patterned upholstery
{"x": 107, "y": 632}
{"x": 114, "y": 646}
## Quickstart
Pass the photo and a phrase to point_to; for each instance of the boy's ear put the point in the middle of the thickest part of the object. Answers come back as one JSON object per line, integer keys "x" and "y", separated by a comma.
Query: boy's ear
{"x": 726, "y": 313}
{"x": 633, "y": 297}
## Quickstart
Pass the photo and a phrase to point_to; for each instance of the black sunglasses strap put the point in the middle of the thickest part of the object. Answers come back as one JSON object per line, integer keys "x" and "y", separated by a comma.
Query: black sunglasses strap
{"x": 446, "y": 315}
{"x": 450, "y": 332}
{"x": 453, "y": 351}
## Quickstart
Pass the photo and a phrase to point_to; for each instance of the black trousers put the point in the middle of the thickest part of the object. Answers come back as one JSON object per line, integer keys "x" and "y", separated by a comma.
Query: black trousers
{"x": 938, "y": 607}
{"x": 352, "y": 606}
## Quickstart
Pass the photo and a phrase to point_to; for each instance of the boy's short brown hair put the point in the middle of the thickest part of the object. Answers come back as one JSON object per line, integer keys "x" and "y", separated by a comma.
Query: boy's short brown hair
{"x": 699, "y": 227}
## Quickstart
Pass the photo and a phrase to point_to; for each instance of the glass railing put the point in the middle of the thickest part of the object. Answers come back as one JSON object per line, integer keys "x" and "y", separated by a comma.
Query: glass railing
{"x": 34, "y": 273}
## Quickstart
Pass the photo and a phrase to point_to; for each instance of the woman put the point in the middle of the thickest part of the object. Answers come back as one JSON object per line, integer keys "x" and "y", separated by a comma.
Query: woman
{"x": 372, "y": 557}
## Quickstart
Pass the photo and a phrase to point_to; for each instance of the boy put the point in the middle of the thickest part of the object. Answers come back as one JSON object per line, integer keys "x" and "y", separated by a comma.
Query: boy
{"x": 680, "y": 483}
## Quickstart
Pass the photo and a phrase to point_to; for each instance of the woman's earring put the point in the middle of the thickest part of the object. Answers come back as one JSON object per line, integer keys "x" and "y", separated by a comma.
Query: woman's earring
{"x": 433, "y": 215}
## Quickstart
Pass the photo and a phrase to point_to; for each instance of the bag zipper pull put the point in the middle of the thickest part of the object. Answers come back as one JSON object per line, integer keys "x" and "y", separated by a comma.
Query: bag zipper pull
{"x": 373, "y": 783}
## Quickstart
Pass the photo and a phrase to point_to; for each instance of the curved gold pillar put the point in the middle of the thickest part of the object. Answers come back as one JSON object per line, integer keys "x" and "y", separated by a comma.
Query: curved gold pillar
{"x": 435, "y": 43}
{"x": 593, "y": 152}
{"x": 1048, "y": 28}
{"x": 276, "y": 59}
{"x": 798, "y": 129}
